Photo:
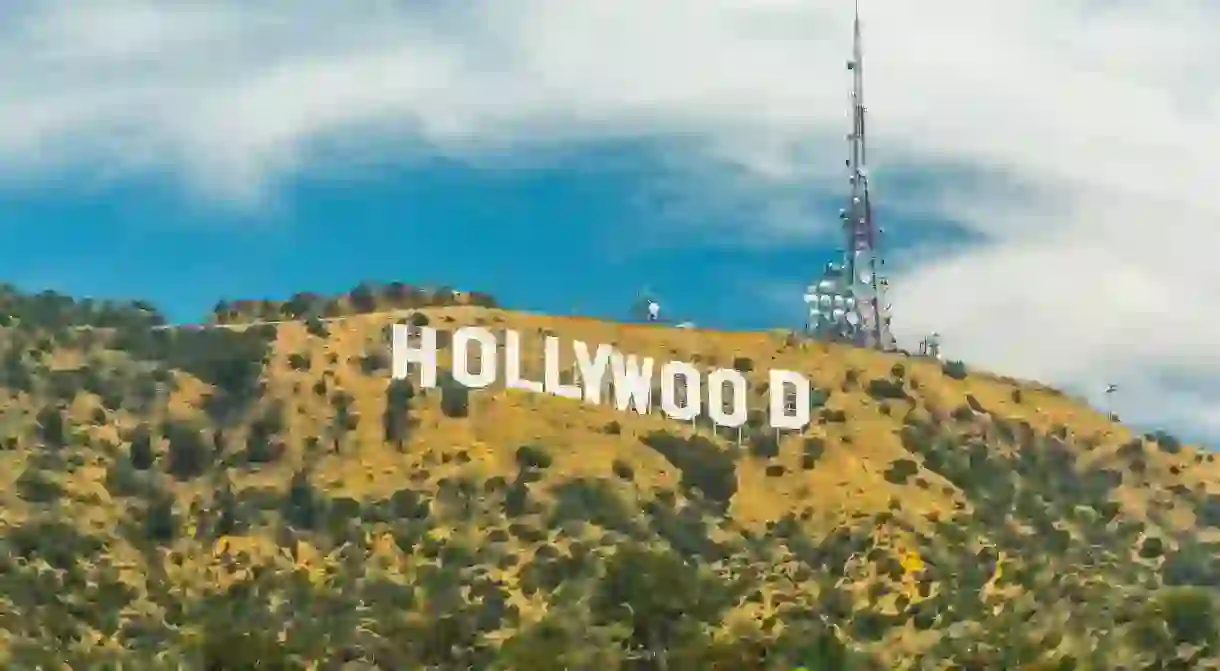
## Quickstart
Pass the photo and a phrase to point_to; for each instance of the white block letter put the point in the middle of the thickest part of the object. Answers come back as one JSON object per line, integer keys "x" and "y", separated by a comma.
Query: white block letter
{"x": 675, "y": 395}
{"x": 592, "y": 370}
{"x": 461, "y": 357}
{"x": 512, "y": 364}
{"x": 788, "y": 388}
{"x": 727, "y": 411}
{"x": 402, "y": 354}
{"x": 553, "y": 384}
{"x": 632, "y": 382}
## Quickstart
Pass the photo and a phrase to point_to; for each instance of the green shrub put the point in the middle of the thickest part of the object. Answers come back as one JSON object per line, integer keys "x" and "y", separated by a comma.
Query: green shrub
{"x": 189, "y": 455}
{"x": 963, "y": 413}
{"x": 900, "y": 471}
{"x": 812, "y": 450}
{"x": 532, "y": 456}
{"x": 36, "y": 486}
{"x": 887, "y": 389}
{"x": 954, "y": 369}
{"x": 141, "y": 451}
{"x": 704, "y": 465}
{"x": 298, "y": 361}
{"x": 763, "y": 444}
{"x": 455, "y": 399}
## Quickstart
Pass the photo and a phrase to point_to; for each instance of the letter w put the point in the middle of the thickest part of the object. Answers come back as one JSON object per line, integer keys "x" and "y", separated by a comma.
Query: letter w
{"x": 632, "y": 382}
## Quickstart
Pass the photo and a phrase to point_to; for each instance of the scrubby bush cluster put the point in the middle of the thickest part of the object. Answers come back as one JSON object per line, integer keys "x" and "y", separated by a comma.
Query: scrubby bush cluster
{"x": 52, "y": 311}
{"x": 143, "y": 534}
{"x": 364, "y": 298}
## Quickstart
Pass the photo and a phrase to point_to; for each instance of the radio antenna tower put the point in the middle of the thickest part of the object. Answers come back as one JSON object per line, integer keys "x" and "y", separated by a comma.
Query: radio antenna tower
{"x": 847, "y": 301}
{"x": 863, "y": 262}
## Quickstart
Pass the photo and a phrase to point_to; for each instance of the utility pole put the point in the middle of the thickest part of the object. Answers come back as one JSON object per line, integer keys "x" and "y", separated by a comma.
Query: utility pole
{"x": 1110, "y": 390}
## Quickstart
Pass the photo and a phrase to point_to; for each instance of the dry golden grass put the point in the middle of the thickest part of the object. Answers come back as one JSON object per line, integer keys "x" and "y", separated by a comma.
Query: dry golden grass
{"x": 847, "y": 485}
{"x": 848, "y": 479}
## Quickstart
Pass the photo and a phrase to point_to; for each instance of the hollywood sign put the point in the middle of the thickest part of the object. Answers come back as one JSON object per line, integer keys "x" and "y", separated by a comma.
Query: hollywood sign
{"x": 601, "y": 372}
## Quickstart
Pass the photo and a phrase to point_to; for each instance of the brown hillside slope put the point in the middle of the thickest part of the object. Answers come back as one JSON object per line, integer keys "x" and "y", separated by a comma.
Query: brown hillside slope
{"x": 160, "y": 509}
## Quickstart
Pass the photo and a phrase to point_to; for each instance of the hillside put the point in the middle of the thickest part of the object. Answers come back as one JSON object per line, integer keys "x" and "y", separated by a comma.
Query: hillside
{"x": 213, "y": 498}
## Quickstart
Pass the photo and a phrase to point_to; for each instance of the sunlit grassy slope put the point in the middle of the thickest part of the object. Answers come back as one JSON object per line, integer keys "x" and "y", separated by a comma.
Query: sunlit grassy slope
{"x": 920, "y": 518}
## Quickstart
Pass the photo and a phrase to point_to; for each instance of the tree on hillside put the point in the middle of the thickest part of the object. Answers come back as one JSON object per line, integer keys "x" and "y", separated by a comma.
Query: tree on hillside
{"x": 141, "y": 451}
{"x": 455, "y": 398}
{"x": 396, "y": 422}
{"x": 52, "y": 427}
{"x": 302, "y": 508}
{"x": 663, "y": 600}
{"x": 302, "y": 305}
{"x": 362, "y": 298}
{"x": 188, "y": 453}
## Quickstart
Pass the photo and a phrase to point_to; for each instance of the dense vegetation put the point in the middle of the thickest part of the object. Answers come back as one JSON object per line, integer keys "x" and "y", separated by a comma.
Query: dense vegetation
{"x": 364, "y": 298}
{"x": 267, "y": 498}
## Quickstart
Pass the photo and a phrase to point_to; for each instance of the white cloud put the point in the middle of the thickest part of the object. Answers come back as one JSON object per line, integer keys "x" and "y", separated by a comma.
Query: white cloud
{"x": 1090, "y": 132}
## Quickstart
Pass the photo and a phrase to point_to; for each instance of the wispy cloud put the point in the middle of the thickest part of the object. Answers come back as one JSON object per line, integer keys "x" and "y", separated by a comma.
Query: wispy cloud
{"x": 1090, "y": 132}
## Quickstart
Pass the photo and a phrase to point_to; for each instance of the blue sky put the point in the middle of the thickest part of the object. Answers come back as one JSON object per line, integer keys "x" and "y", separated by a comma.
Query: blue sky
{"x": 562, "y": 154}
{"x": 568, "y": 239}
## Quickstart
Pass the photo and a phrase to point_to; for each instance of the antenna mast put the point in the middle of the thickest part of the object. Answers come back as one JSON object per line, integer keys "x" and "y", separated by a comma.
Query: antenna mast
{"x": 847, "y": 301}
{"x": 863, "y": 261}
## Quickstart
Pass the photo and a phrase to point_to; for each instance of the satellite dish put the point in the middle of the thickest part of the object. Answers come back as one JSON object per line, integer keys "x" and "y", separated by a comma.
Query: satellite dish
{"x": 811, "y": 298}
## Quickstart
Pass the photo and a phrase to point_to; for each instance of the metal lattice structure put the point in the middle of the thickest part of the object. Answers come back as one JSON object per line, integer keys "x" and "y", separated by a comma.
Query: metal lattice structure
{"x": 847, "y": 301}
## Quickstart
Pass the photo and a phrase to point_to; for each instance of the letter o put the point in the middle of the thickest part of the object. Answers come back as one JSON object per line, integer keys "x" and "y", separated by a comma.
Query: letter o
{"x": 461, "y": 357}
{"x": 670, "y": 373}
{"x": 716, "y": 398}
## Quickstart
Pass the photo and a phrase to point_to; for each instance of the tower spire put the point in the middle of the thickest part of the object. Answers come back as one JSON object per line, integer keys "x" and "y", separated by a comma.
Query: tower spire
{"x": 856, "y": 49}
{"x": 847, "y": 302}
{"x": 863, "y": 262}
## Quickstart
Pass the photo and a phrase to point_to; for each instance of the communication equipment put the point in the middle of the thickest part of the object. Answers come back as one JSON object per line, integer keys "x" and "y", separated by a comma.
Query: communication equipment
{"x": 848, "y": 300}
